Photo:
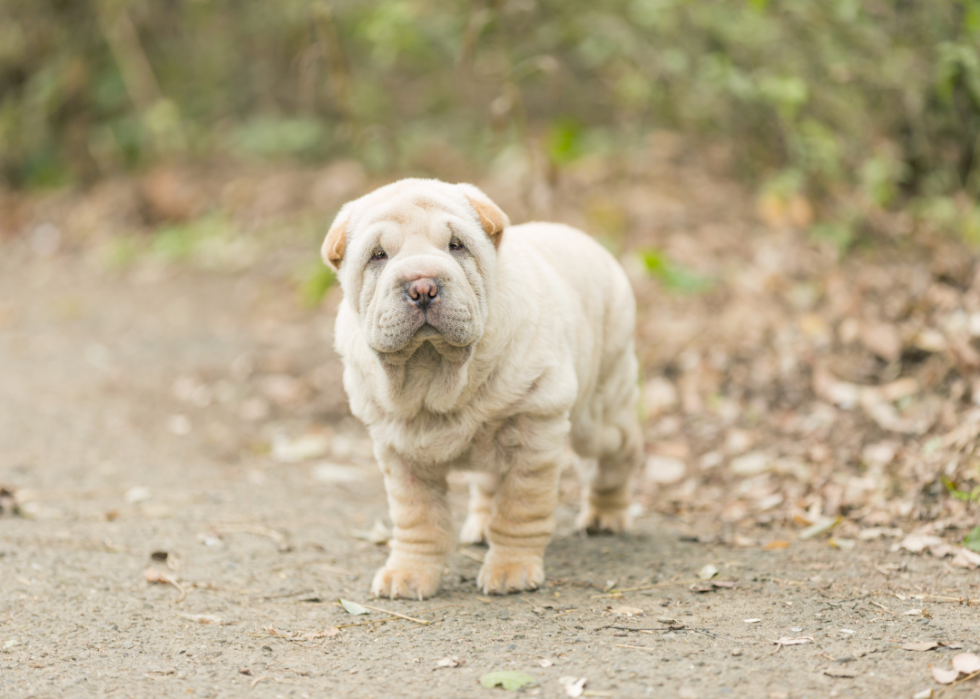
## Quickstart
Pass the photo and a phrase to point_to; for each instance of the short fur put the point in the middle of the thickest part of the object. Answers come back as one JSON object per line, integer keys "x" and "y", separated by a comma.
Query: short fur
{"x": 528, "y": 347}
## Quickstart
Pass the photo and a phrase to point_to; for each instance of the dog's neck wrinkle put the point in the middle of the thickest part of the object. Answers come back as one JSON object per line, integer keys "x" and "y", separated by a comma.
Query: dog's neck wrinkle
{"x": 428, "y": 380}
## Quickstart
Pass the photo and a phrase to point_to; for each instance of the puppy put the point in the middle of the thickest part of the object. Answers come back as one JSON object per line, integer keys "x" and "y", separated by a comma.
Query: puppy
{"x": 471, "y": 344}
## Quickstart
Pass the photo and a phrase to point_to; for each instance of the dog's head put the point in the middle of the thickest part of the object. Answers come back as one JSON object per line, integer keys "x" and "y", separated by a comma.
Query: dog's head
{"x": 416, "y": 260}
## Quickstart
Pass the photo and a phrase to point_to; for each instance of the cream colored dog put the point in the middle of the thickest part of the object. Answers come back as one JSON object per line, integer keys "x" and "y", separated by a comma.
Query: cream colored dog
{"x": 471, "y": 344}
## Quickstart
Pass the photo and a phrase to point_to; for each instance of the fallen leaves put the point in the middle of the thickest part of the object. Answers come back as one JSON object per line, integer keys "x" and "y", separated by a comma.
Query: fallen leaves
{"x": 155, "y": 577}
{"x": 785, "y": 641}
{"x": 298, "y": 449}
{"x": 921, "y": 647}
{"x": 776, "y": 545}
{"x": 711, "y": 586}
{"x": 966, "y": 664}
{"x": 573, "y": 686}
{"x": 354, "y": 608}
{"x": 626, "y": 611}
{"x": 963, "y": 557}
{"x": 449, "y": 661}
{"x": 821, "y": 526}
{"x": 204, "y": 619}
{"x": 944, "y": 676}
{"x": 708, "y": 572}
{"x": 507, "y": 679}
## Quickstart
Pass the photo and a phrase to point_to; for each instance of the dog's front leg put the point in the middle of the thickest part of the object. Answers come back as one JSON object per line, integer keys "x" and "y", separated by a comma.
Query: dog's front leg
{"x": 422, "y": 536}
{"x": 523, "y": 518}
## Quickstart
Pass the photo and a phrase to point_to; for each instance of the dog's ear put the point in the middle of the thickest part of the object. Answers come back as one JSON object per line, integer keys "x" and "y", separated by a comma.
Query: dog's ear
{"x": 335, "y": 243}
{"x": 491, "y": 217}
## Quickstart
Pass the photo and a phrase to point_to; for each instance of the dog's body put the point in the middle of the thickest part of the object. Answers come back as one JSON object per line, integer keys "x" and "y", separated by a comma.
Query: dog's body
{"x": 471, "y": 345}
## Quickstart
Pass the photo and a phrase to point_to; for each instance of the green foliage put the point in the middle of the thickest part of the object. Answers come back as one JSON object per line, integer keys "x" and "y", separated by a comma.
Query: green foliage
{"x": 272, "y": 137}
{"x": 673, "y": 276}
{"x": 314, "y": 283}
{"x": 972, "y": 540}
{"x": 972, "y": 495}
{"x": 850, "y": 96}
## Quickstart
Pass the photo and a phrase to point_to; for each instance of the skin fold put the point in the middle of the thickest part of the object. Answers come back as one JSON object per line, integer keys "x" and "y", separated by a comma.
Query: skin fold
{"x": 504, "y": 351}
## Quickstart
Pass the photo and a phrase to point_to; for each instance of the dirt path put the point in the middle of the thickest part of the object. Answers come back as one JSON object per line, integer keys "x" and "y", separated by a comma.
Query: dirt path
{"x": 199, "y": 415}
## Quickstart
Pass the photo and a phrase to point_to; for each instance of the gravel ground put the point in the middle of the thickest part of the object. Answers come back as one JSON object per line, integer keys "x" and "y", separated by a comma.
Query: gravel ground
{"x": 127, "y": 429}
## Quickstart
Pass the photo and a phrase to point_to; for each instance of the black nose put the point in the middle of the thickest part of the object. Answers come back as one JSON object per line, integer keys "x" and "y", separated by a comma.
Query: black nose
{"x": 423, "y": 292}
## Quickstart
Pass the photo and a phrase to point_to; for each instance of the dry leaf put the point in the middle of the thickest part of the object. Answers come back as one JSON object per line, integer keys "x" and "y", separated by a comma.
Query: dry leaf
{"x": 302, "y": 448}
{"x": 573, "y": 687}
{"x": 708, "y": 572}
{"x": 965, "y": 558}
{"x": 921, "y": 647}
{"x": 203, "y": 618}
{"x": 882, "y": 339}
{"x": 944, "y": 676}
{"x": 450, "y": 661}
{"x": 627, "y": 611}
{"x": 917, "y": 543}
{"x": 152, "y": 575}
{"x": 664, "y": 469}
{"x": 967, "y": 663}
{"x": 545, "y": 662}
{"x": 776, "y": 545}
{"x": 821, "y": 526}
{"x": 784, "y": 641}
{"x": 354, "y": 607}
{"x": 508, "y": 679}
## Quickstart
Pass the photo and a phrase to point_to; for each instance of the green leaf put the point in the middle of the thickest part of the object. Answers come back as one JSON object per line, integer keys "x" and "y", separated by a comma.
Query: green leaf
{"x": 673, "y": 276}
{"x": 972, "y": 540}
{"x": 315, "y": 283}
{"x": 509, "y": 680}
{"x": 353, "y": 607}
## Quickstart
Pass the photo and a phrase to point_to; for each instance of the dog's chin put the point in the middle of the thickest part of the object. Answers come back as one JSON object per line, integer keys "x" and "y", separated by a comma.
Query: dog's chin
{"x": 452, "y": 346}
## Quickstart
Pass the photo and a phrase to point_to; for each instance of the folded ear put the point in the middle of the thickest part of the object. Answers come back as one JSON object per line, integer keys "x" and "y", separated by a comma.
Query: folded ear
{"x": 491, "y": 217}
{"x": 335, "y": 243}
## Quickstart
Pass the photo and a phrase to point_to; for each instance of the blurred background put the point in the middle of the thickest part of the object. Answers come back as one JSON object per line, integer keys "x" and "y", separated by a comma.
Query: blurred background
{"x": 856, "y": 106}
{"x": 791, "y": 185}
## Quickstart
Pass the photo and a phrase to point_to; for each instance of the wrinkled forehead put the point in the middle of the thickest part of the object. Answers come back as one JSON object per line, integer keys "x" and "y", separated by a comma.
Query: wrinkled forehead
{"x": 409, "y": 206}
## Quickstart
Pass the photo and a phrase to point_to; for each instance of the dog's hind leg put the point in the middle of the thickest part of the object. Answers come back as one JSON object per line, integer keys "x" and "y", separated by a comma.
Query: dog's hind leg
{"x": 606, "y": 497}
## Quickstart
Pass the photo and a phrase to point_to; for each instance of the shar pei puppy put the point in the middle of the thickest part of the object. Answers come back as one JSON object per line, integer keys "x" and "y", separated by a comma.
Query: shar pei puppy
{"x": 471, "y": 344}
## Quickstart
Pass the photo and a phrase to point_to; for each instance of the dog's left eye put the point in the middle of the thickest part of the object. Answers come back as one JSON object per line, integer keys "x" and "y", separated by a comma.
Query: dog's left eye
{"x": 456, "y": 244}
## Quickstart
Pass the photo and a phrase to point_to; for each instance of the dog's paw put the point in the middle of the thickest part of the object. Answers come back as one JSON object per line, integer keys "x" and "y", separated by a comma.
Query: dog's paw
{"x": 407, "y": 580}
{"x": 474, "y": 529}
{"x": 501, "y": 575}
{"x": 594, "y": 521}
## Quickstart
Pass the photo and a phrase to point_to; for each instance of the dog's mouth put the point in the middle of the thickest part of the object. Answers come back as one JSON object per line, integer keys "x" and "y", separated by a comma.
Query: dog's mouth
{"x": 426, "y": 331}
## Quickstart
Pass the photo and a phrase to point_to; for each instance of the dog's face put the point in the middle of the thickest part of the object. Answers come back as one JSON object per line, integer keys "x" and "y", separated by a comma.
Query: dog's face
{"x": 416, "y": 260}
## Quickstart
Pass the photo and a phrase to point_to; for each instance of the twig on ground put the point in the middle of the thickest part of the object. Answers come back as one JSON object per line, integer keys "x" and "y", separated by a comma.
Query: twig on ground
{"x": 953, "y": 684}
{"x": 881, "y": 606}
{"x": 400, "y": 616}
{"x": 617, "y": 593}
{"x": 276, "y": 536}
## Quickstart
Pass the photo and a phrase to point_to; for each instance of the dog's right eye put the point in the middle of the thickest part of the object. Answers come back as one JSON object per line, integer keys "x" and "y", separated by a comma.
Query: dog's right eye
{"x": 379, "y": 254}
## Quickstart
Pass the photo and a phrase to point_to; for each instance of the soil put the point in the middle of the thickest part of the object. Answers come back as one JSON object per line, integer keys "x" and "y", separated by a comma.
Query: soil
{"x": 191, "y": 497}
